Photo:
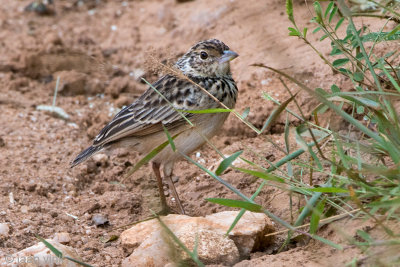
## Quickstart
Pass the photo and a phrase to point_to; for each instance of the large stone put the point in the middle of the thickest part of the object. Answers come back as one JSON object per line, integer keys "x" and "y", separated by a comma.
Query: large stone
{"x": 40, "y": 256}
{"x": 152, "y": 246}
{"x": 249, "y": 233}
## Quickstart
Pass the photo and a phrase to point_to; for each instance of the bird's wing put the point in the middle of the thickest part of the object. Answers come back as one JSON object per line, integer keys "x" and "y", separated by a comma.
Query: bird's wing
{"x": 149, "y": 112}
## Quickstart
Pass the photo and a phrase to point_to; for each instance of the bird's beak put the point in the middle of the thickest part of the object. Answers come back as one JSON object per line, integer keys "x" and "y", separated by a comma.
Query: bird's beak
{"x": 228, "y": 56}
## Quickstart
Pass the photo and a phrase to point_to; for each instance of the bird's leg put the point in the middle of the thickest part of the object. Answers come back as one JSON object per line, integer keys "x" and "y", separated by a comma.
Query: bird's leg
{"x": 172, "y": 187}
{"x": 164, "y": 206}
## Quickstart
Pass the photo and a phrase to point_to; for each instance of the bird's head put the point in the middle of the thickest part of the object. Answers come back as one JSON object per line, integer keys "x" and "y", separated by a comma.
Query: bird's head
{"x": 208, "y": 58}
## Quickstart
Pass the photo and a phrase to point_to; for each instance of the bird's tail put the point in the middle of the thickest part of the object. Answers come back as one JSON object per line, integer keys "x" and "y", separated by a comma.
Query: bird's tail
{"x": 85, "y": 154}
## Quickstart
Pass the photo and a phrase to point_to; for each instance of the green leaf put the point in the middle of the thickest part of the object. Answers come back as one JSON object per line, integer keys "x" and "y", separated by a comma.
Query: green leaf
{"x": 328, "y": 9}
{"x": 360, "y": 109}
{"x": 358, "y": 76}
{"x": 51, "y": 247}
{"x": 324, "y": 37}
{"x": 381, "y": 36}
{"x": 287, "y": 132}
{"x": 336, "y": 51}
{"x": 170, "y": 140}
{"x": 327, "y": 242}
{"x": 335, "y": 9}
{"x": 276, "y": 112}
{"x": 293, "y": 32}
{"x": 236, "y": 204}
{"x": 300, "y": 141}
{"x": 316, "y": 216}
{"x": 385, "y": 204}
{"x": 345, "y": 71}
{"x": 335, "y": 88}
{"x": 365, "y": 236}
{"x": 210, "y": 110}
{"x": 320, "y": 109}
{"x": 305, "y": 32}
{"x": 360, "y": 56}
{"x": 394, "y": 31}
{"x": 318, "y": 12}
{"x": 262, "y": 175}
{"x": 328, "y": 190}
{"x": 340, "y": 62}
{"x": 227, "y": 162}
{"x": 339, "y": 23}
{"x": 289, "y": 10}
{"x": 316, "y": 29}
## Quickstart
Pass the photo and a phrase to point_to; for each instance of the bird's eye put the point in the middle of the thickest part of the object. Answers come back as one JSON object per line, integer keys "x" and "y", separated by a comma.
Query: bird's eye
{"x": 203, "y": 55}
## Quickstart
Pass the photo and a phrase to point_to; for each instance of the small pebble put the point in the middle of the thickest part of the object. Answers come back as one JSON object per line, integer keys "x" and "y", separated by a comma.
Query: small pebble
{"x": 175, "y": 179}
{"x": 100, "y": 159}
{"x": 11, "y": 197}
{"x": 24, "y": 209}
{"x": 99, "y": 219}
{"x": 62, "y": 238}
{"x": 4, "y": 229}
{"x": 26, "y": 221}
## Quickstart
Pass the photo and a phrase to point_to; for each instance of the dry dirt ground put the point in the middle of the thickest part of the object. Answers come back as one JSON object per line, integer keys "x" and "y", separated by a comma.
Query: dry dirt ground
{"x": 38, "y": 190}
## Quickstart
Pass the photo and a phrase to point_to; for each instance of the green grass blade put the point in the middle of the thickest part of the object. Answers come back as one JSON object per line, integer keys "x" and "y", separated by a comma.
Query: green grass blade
{"x": 289, "y": 11}
{"x": 236, "y": 204}
{"x": 262, "y": 175}
{"x": 328, "y": 190}
{"x": 323, "y": 99}
{"x": 276, "y": 113}
{"x": 327, "y": 242}
{"x": 170, "y": 140}
{"x": 385, "y": 204}
{"x": 227, "y": 162}
{"x": 246, "y": 112}
{"x": 51, "y": 247}
{"x": 304, "y": 145}
{"x": 267, "y": 212}
{"x": 316, "y": 216}
{"x": 148, "y": 157}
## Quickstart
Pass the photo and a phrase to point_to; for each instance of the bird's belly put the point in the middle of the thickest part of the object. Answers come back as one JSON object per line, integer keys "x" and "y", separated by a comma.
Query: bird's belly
{"x": 191, "y": 139}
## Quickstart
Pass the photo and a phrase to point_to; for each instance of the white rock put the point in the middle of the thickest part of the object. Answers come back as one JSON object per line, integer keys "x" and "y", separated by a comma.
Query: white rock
{"x": 249, "y": 233}
{"x": 151, "y": 245}
{"x": 24, "y": 209}
{"x": 100, "y": 158}
{"x": 40, "y": 256}
{"x": 4, "y": 229}
{"x": 212, "y": 247}
{"x": 159, "y": 249}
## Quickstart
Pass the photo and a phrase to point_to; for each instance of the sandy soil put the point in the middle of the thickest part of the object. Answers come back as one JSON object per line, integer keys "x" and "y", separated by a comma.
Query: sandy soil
{"x": 38, "y": 189}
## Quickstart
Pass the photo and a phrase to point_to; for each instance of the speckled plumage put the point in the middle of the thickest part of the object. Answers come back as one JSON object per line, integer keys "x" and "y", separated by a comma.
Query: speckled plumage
{"x": 140, "y": 125}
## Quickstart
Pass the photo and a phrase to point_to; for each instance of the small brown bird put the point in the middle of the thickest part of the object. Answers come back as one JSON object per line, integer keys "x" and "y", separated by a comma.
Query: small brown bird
{"x": 139, "y": 127}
